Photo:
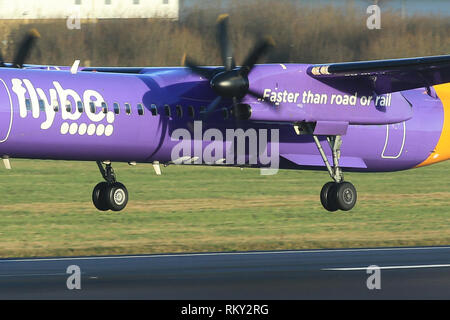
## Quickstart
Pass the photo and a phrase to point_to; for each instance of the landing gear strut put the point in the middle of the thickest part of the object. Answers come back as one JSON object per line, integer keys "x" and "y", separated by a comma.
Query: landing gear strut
{"x": 109, "y": 194}
{"x": 336, "y": 194}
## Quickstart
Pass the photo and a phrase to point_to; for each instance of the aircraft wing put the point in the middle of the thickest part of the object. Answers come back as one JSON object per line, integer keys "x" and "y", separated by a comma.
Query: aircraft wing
{"x": 387, "y": 76}
{"x": 114, "y": 69}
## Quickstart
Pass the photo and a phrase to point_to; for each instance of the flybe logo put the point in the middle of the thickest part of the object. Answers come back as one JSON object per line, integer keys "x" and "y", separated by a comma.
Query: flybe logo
{"x": 58, "y": 98}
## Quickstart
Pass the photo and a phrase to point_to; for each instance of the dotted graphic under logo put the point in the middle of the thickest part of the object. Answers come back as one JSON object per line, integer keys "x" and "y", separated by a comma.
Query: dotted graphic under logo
{"x": 91, "y": 129}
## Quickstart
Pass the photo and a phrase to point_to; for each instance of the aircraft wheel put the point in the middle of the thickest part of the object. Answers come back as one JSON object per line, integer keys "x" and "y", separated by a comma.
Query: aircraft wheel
{"x": 345, "y": 196}
{"x": 99, "y": 196}
{"x": 328, "y": 196}
{"x": 116, "y": 196}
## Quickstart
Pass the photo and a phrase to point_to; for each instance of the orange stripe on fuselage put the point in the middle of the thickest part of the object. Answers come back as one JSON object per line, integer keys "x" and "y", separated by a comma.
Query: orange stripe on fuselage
{"x": 442, "y": 150}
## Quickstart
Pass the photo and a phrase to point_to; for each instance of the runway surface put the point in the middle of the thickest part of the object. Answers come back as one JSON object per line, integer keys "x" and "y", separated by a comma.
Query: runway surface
{"x": 405, "y": 273}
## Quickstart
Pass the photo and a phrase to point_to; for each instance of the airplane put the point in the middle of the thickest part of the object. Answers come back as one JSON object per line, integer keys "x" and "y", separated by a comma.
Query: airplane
{"x": 366, "y": 116}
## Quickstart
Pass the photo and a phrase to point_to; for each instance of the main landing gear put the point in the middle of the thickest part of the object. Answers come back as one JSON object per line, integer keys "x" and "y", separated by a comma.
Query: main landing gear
{"x": 336, "y": 194}
{"x": 110, "y": 194}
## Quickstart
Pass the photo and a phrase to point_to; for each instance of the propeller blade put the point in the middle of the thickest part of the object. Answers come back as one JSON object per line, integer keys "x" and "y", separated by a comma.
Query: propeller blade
{"x": 212, "y": 106}
{"x": 260, "y": 97}
{"x": 227, "y": 81}
{"x": 257, "y": 95}
{"x": 25, "y": 48}
{"x": 236, "y": 101}
{"x": 191, "y": 64}
{"x": 226, "y": 48}
{"x": 2, "y": 61}
{"x": 261, "y": 49}
{"x": 238, "y": 123}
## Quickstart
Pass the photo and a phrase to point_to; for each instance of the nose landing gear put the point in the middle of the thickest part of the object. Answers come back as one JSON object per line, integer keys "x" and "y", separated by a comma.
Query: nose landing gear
{"x": 109, "y": 194}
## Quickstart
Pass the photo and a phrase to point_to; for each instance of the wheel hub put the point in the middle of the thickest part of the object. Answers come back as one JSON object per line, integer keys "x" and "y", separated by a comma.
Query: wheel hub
{"x": 348, "y": 196}
{"x": 119, "y": 197}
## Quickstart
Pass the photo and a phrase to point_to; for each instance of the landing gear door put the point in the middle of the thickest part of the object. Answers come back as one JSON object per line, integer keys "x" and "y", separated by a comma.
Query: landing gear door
{"x": 395, "y": 141}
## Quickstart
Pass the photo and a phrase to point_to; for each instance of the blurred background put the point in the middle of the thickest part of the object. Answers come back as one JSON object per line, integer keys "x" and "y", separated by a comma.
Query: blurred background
{"x": 46, "y": 207}
{"x": 159, "y": 32}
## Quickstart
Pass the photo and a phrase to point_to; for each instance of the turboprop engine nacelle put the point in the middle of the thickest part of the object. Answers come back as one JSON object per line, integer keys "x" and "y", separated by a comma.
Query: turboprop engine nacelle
{"x": 351, "y": 108}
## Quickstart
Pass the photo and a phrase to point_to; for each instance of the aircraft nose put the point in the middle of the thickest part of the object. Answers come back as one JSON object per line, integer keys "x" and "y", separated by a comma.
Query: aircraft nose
{"x": 6, "y": 114}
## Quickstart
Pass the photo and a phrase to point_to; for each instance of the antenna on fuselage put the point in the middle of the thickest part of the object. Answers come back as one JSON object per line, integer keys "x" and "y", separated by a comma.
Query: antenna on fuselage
{"x": 6, "y": 162}
{"x": 74, "y": 68}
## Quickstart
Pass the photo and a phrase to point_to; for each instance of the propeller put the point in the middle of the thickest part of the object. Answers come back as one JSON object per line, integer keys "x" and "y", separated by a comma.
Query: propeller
{"x": 229, "y": 81}
{"x": 24, "y": 49}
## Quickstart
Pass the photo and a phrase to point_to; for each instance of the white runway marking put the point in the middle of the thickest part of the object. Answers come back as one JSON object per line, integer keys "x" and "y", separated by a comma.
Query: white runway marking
{"x": 391, "y": 267}
{"x": 219, "y": 254}
{"x": 32, "y": 275}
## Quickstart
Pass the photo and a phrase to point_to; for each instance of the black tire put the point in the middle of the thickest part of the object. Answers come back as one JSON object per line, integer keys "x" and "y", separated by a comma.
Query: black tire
{"x": 328, "y": 196}
{"x": 116, "y": 196}
{"x": 346, "y": 196}
{"x": 99, "y": 196}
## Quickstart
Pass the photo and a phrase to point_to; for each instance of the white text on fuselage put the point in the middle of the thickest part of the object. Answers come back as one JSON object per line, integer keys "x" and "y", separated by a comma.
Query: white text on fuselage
{"x": 309, "y": 97}
{"x": 58, "y": 96}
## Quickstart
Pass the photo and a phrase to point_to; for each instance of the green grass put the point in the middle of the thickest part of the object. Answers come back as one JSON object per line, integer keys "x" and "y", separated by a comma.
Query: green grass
{"x": 46, "y": 210}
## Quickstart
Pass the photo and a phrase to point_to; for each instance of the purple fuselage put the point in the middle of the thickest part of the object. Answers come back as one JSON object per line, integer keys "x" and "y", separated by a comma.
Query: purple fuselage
{"x": 95, "y": 116}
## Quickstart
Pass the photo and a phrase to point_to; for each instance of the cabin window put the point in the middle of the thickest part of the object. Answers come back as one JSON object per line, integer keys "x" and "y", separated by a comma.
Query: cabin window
{"x": 55, "y": 105}
{"x": 179, "y": 111}
{"x": 116, "y": 108}
{"x": 80, "y": 107}
{"x": 28, "y": 104}
{"x": 167, "y": 110}
{"x": 127, "y": 108}
{"x": 68, "y": 106}
{"x": 140, "y": 109}
{"x": 104, "y": 108}
{"x": 154, "y": 110}
{"x": 41, "y": 105}
{"x": 225, "y": 113}
{"x": 92, "y": 107}
{"x": 191, "y": 112}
